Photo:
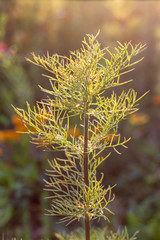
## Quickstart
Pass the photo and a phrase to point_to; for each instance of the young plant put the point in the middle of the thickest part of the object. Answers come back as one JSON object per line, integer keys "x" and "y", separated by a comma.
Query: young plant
{"x": 78, "y": 88}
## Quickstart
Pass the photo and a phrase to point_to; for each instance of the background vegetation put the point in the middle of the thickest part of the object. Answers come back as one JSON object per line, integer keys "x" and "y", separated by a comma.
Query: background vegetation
{"x": 60, "y": 26}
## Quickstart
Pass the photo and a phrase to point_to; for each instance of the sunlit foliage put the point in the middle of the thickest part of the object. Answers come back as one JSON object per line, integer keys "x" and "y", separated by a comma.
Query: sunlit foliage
{"x": 78, "y": 83}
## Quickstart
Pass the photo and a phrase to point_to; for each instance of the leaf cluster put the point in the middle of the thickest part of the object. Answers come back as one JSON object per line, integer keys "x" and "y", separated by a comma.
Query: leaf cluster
{"x": 86, "y": 73}
{"x": 99, "y": 234}
{"x": 66, "y": 178}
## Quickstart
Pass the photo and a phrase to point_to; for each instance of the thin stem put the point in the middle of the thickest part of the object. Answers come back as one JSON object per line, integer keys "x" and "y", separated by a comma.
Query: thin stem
{"x": 87, "y": 227}
{"x": 85, "y": 158}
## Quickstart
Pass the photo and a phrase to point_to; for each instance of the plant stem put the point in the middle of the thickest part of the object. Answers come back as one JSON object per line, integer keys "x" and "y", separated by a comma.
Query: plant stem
{"x": 85, "y": 158}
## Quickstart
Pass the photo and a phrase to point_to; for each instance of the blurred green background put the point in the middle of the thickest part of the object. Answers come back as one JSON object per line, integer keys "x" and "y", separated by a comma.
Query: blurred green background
{"x": 59, "y": 26}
